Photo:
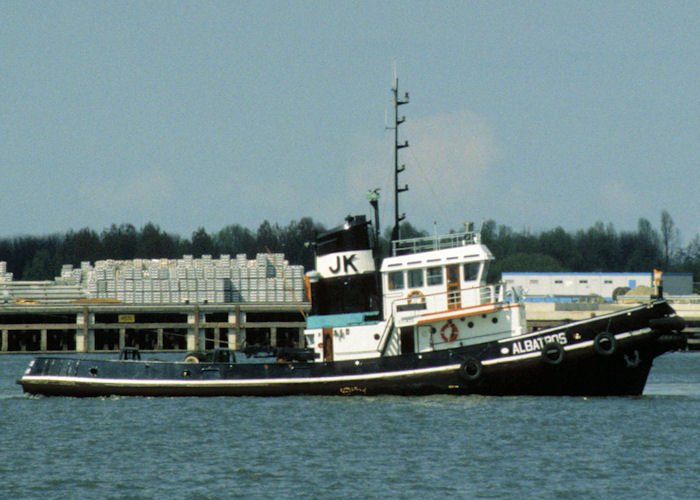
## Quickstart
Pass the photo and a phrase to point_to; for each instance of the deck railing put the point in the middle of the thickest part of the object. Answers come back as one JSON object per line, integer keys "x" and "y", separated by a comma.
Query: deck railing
{"x": 429, "y": 243}
{"x": 455, "y": 299}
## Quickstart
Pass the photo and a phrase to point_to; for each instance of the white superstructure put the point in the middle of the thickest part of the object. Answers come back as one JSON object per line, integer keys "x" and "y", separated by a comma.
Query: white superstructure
{"x": 434, "y": 296}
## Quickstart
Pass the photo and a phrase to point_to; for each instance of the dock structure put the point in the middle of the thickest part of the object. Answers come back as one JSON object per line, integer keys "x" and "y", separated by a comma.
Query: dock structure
{"x": 98, "y": 327}
{"x": 551, "y": 314}
{"x": 185, "y": 304}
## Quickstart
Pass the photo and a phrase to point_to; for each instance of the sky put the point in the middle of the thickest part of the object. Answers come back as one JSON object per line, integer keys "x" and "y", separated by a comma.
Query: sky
{"x": 206, "y": 114}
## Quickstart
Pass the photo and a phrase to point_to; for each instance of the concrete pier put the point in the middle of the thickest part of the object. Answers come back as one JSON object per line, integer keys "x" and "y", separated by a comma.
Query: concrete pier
{"x": 547, "y": 314}
{"x": 99, "y": 327}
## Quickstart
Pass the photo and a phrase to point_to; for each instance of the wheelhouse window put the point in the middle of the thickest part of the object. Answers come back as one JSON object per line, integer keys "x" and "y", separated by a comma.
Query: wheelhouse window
{"x": 434, "y": 276}
{"x": 485, "y": 272}
{"x": 396, "y": 281}
{"x": 471, "y": 271}
{"x": 415, "y": 278}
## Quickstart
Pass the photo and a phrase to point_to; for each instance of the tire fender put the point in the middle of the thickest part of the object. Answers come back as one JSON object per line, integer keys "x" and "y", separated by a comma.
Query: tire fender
{"x": 471, "y": 369}
{"x": 604, "y": 344}
{"x": 553, "y": 353}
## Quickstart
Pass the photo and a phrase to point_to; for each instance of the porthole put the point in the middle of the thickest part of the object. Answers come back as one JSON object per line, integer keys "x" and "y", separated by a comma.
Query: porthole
{"x": 470, "y": 324}
{"x": 494, "y": 320}
{"x": 93, "y": 370}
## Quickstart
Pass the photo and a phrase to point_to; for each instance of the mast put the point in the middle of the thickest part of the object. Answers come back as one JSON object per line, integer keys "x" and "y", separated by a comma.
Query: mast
{"x": 396, "y": 233}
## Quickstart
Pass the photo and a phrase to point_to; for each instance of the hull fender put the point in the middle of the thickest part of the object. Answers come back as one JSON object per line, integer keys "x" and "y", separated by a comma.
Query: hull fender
{"x": 553, "y": 353}
{"x": 471, "y": 369}
{"x": 604, "y": 344}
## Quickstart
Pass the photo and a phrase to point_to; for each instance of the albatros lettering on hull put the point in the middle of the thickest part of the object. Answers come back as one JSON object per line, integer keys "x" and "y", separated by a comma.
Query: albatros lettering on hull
{"x": 537, "y": 343}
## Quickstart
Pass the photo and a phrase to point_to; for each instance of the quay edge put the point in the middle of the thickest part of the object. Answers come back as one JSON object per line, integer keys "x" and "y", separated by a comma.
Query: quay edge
{"x": 99, "y": 327}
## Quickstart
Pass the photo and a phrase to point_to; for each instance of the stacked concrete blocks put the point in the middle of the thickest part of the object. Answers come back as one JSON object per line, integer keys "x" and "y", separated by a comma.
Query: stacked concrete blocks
{"x": 267, "y": 278}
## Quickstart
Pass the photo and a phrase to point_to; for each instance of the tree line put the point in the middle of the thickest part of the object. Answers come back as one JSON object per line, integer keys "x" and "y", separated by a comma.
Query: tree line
{"x": 599, "y": 248}
{"x": 41, "y": 257}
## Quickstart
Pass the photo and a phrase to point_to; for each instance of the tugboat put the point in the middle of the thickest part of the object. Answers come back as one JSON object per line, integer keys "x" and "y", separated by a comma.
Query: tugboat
{"x": 421, "y": 320}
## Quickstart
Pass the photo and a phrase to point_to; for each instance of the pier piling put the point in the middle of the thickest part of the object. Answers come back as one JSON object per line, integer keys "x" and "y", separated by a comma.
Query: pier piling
{"x": 178, "y": 327}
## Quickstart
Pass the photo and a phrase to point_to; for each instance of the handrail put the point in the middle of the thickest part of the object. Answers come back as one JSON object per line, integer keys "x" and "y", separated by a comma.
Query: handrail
{"x": 495, "y": 292}
{"x": 428, "y": 243}
{"x": 384, "y": 340}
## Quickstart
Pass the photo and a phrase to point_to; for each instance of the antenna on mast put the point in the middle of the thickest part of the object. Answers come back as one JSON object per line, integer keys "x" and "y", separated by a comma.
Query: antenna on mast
{"x": 396, "y": 233}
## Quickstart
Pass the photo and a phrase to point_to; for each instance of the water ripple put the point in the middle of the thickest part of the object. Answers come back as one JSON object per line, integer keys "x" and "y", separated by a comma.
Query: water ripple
{"x": 359, "y": 447}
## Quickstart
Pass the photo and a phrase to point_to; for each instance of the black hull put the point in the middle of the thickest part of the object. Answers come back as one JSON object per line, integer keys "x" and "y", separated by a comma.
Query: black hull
{"x": 604, "y": 356}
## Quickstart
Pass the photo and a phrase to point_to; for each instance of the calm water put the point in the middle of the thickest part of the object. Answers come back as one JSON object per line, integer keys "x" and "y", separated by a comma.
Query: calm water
{"x": 358, "y": 447}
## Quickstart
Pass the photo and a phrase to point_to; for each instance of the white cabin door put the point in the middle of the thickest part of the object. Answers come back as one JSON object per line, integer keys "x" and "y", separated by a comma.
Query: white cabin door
{"x": 454, "y": 298}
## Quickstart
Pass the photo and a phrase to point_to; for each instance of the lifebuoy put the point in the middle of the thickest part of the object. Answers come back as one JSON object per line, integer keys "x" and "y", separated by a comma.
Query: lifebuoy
{"x": 604, "y": 344}
{"x": 453, "y": 335}
{"x": 415, "y": 297}
{"x": 192, "y": 358}
{"x": 471, "y": 369}
{"x": 553, "y": 353}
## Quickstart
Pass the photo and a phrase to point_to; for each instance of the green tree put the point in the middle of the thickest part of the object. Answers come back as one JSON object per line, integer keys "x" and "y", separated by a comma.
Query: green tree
{"x": 235, "y": 239}
{"x": 295, "y": 238}
{"x": 154, "y": 243}
{"x": 269, "y": 237}
{"x": 80, "y": 246}
{"x": 597, "y": 249}
{"x": 646, "y": 251}
{"x": 202, "y": 243}
{"x": 120, "y": 242}
{"x": 560, "y": 245}
{"x": 669, "y": 238}
{"x": 529, "y": 262}
{"x": 43, "y": 266}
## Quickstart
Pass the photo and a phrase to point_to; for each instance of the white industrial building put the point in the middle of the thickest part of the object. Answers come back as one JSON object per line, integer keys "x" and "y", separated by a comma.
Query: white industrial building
{"x": 569, "y": 286}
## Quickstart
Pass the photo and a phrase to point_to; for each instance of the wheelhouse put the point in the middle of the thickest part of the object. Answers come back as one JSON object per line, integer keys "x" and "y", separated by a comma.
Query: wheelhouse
{"x": 438, "y": 273}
